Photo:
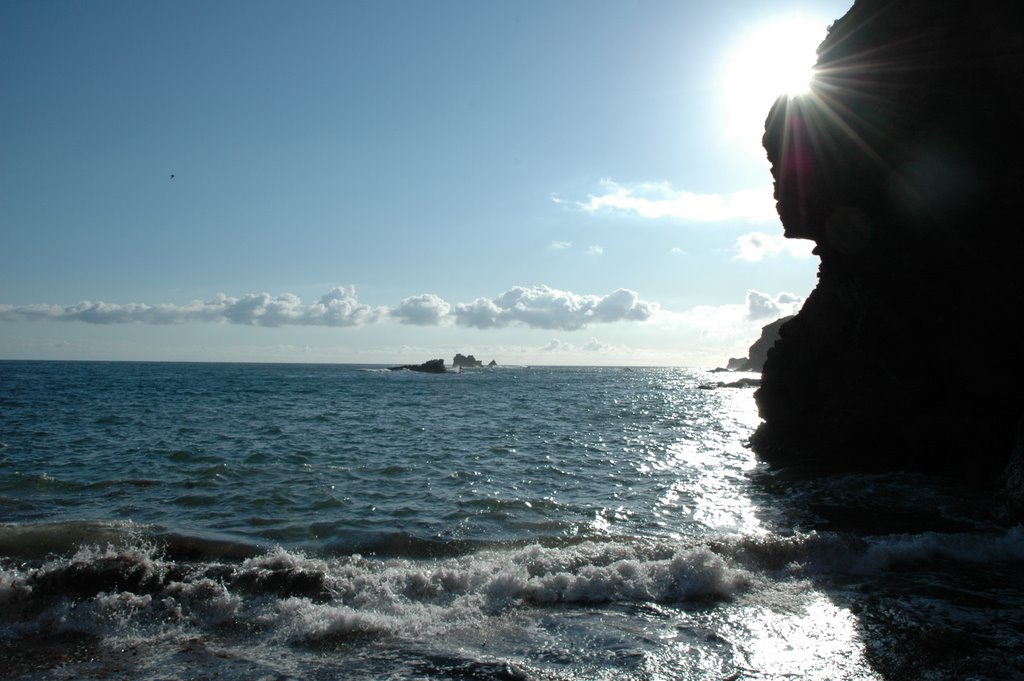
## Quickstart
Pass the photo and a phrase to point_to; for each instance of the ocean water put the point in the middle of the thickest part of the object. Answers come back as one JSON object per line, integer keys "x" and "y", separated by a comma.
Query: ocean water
{"x": 232, "y": 521}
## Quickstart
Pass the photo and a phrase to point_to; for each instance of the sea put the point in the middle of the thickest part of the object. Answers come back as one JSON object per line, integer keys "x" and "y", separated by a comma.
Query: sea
{"x": 261, "y": 521}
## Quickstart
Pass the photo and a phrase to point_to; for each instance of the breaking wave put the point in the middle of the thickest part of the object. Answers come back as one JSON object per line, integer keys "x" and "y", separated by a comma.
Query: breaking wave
{"x": 153, "y": 579}
{"x": 299, "y": 597}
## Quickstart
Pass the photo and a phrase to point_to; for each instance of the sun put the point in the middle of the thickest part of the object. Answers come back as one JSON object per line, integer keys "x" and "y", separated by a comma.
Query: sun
{"x": 772, "y": 60}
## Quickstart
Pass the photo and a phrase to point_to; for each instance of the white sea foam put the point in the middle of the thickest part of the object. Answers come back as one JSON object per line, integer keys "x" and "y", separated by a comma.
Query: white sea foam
{"x": 13, "y": 588}
{"x": 886, "y": 552}
{"x": 299, "y": 619}
{"x": 296, "y": 597}
{"x": 429, "y": 598}
{"x": 841, "y": 553}
{"x": 688, "y": 575}
{"x": 202, "y": 601}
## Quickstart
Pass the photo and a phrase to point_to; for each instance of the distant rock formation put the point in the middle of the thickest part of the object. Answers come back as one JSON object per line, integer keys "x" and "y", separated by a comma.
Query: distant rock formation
{"x": 469, "y": 362}
{"x": 433, "y": 366}
{"x": 758, "y": 353}
{"x": 904, "y": 164}
{"x": 741, "y": 383}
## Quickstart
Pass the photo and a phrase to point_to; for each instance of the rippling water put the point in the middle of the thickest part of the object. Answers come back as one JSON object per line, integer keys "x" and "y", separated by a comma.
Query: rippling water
{"x": 283, "y": 521}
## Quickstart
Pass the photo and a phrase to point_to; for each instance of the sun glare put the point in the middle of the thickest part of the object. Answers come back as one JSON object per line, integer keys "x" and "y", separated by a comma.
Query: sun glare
{"x": 773, "y": 60}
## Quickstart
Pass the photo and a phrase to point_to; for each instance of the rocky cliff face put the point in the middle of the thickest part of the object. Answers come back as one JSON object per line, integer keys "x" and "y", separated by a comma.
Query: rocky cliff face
{"x": 905, "y": 165}
{"x": 758, "y": 353}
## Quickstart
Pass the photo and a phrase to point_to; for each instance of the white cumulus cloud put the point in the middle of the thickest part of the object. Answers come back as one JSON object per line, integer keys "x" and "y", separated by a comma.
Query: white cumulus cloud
{"x": 538, "y": 307}
{"x": 661, "y": 200}
{"x": 341, "y": 307}
{"x": 757, "y": 246}
{"x": 543, "y": 307}
{"x": 768, "y": 306}
{"x": 337, "y": 307}
{"x": 422, "y": 310}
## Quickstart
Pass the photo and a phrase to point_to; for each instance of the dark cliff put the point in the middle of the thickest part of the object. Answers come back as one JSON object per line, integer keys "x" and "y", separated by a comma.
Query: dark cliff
{"x": 905, "y": 165}
{"x": 758, "y": 353}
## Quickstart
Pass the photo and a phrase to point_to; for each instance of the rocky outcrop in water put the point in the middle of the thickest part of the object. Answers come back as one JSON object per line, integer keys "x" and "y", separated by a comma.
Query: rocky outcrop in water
{"x": 469, "y": 362}
{"x": 905, "y": 165}
{"x": 758, "y": 353}
{"x": 741, "y": 383}
{"x": 431, "y": 366}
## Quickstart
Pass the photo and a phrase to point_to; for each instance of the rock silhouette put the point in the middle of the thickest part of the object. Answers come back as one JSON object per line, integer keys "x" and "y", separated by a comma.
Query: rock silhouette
{"x": 904, "y": 166}
{"x": 469, "y": 362}
{"x": 758, "y": 353}
{"x": 431, "y": 366}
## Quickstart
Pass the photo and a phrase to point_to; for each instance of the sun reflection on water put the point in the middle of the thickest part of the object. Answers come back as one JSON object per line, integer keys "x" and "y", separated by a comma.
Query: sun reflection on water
{"x": 786, "y": 630}
{"x": 811, "y": 639}
{"x": 713, "y": 484}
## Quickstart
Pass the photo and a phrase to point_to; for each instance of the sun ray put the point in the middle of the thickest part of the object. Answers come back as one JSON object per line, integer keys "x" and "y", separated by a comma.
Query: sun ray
{"x": 773, "y": 60}
{"x": 838, "y": 117}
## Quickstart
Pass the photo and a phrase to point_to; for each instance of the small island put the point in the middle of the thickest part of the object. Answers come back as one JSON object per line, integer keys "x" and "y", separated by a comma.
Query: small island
{"x": 433, "y": 366}
{"x": 469, "y": 362}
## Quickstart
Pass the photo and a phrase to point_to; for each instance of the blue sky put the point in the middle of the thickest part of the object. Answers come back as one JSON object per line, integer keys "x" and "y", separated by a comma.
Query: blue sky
{"x": 573, "y": 182}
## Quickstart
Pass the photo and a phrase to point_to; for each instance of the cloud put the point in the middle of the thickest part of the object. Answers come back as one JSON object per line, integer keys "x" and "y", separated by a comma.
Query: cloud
{"x": 591, "y": 347}
{"x": 677, "y": 251}
{"x": 560, "y": 245}
{"x": 756, "y": 246}
{"x": 595, "y": 250}
{"x": 736, "y": 324}
{"x": 539, "y": 307}
{"x": 104, "y": 313}
{"x": 556, "y": 345}
{"x": 660, "y": 200}
{"x": 766, "y": 306}
{"x": 543, "y": 307}
{"x": 337, "y": 307}
{"x": 340, "y": 307}
{"x": 717, "y": 320}
{"x": 594, "y": 345}
{"x": 422, "y": 310}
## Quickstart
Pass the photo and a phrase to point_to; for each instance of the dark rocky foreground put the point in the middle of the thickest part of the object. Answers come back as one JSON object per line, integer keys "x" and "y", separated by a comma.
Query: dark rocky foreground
{"x": 905, "y": 165}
